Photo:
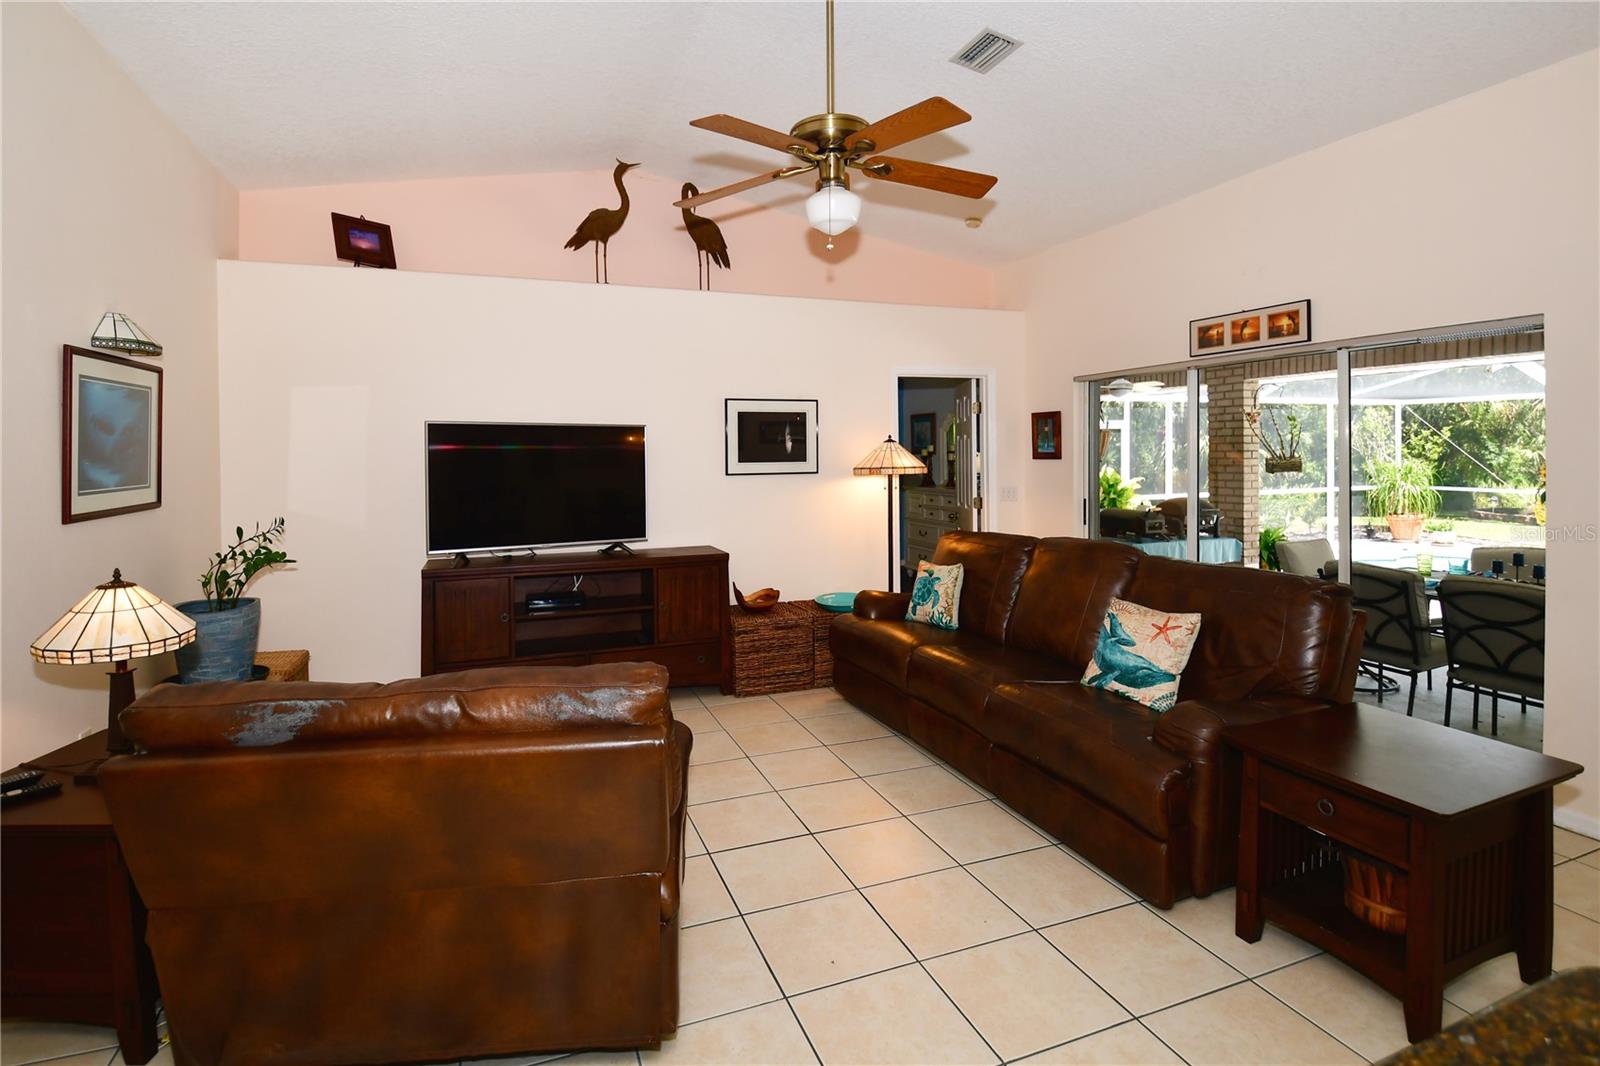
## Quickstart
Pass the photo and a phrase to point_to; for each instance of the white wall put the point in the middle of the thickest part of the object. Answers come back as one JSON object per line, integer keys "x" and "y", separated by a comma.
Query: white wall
{"x": 1483, "y": 207}
{"x": 334, "y": 371}
{"x": 106, "y": 206}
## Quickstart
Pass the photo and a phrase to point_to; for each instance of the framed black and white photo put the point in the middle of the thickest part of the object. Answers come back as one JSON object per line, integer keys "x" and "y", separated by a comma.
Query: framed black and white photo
{"x": 770, "y": 436}
{"x": 110, "y": 435}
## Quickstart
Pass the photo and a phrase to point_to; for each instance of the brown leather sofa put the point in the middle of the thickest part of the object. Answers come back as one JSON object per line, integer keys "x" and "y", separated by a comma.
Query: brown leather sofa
{"x": 1150, "y": 798}
{"x": 459, "y": 866}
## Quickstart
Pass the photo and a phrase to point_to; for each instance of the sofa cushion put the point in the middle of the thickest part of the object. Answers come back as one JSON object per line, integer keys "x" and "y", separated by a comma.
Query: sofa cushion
{"x": 883, "y": 647}
{"x": 1099, "y": 743}
{"x": 992, "y": 567}
{"x": 1265, "y": 635}
{"x": 1140, "y": 653}
{"x": 1068, "y": 586}
{"x": 936, "y": 595}
{"x": 957, "y": 678}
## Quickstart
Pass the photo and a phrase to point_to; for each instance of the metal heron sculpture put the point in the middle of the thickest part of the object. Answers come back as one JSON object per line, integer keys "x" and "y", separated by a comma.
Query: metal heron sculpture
{"x": 601, "y": 224}
{"x": 710, "y": 246}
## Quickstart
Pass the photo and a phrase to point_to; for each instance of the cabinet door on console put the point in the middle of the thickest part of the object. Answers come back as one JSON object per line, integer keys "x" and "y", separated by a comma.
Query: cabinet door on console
{"x": 690, "y": 603}
{"x": 472, "y": 620}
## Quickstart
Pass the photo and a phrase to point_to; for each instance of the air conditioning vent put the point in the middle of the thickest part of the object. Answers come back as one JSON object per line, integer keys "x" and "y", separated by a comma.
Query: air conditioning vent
{"x": 985, "y": 51}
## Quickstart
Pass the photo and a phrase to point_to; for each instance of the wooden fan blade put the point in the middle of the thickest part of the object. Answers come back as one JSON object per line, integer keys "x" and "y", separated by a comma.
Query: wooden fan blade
{"x": 929, "y": 176}
{"x": 729, "y": 126}
{"x": 741, "y": 186}
{"x": 932, "y": 115}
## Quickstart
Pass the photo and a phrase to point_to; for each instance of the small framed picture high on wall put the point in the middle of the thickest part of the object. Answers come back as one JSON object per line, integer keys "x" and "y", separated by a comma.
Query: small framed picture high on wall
{"x": 110, "y": 435}
{"x": 1262, "y": 327}
{"x": 362, "y": 242}
{"x": 770, "y": 436}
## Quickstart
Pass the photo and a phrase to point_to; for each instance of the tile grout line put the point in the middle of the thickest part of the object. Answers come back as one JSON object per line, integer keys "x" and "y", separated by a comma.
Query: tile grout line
{"x": 751, "y": 933}
{"x": 1030, "y": 927}
{"x": 892, "y": 931}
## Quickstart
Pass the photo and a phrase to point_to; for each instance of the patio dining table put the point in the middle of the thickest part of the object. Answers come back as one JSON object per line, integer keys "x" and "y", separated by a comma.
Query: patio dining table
{"x": 1212, "y": 549}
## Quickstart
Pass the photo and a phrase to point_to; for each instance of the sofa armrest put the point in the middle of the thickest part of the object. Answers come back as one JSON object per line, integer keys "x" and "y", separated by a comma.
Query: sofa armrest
{"x": 1194, "y": 729}
{"x": 680, "y": 742}
{"x": 882, "y": 606}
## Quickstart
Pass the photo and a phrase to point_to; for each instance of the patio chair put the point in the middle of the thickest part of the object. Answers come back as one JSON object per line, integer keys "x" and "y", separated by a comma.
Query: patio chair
{"x": 1305, "y": 557}
{"x": 1494, "y": 641}
{"x": 1483, "y": 558}
{"x": 1397, "y": 635}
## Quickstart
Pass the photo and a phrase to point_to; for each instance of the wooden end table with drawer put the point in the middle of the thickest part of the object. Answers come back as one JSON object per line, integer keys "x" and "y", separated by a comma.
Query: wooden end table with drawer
{"x": 1466, "y": 819}
{"x": 74, "y": 947}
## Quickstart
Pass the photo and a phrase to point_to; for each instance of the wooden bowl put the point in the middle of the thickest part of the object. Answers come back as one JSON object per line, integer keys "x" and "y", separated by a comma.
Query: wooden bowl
{"x": 759, "y": 600}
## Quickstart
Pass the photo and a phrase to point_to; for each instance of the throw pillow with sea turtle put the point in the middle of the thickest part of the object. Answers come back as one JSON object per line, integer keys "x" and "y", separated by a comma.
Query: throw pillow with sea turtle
{"x": 1141, "y": 653}
{"x": 936, "y": 596}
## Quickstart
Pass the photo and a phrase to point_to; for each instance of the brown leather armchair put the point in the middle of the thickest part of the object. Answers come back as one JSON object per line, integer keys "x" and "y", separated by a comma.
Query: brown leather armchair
{"x": 458, "y": 866}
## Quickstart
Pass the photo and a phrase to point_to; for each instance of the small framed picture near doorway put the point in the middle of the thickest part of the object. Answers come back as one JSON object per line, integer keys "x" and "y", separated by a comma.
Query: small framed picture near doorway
{"x": 1047, "y": 434}
{"x": 770, "y": 436}
{"x": 110, "y": 435}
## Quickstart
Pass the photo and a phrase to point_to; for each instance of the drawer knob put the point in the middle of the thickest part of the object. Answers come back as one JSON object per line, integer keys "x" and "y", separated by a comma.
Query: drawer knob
{"x": 1325, "y": 807}
{"x": 505, "y": 616}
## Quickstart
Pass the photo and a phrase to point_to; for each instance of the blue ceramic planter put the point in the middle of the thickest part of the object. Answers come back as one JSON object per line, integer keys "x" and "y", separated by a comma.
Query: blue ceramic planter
{"x": 224, "y": 647}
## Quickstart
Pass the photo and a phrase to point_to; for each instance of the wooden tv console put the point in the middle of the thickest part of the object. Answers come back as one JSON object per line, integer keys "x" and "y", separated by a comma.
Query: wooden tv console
{"x": 662, "y": 605}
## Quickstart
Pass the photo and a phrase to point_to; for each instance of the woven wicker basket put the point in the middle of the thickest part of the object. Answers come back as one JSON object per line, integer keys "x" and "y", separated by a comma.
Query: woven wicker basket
{"x": 822, "y": 651}
{"x": 772, "y": 650}
{"x": 1375, "y": 892}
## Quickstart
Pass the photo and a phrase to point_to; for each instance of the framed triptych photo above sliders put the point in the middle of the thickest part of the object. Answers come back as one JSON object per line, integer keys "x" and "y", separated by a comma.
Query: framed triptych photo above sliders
{"x": 1261, "y": 327}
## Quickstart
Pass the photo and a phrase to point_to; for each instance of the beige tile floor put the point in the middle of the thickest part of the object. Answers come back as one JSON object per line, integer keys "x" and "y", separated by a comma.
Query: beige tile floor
{"x": 851, "y": 899}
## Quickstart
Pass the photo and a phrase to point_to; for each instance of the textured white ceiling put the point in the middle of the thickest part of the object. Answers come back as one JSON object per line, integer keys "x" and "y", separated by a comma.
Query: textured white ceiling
{"x": 1108, "y": 109}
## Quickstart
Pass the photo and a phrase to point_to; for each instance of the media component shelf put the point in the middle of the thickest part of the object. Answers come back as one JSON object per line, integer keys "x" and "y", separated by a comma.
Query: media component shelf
{"x": 662, "y": 605}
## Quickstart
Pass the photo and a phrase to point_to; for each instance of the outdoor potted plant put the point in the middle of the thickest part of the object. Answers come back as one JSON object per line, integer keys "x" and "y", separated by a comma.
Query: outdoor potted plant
{"x": 1117, "y": 493}
{"x": 1278, "y": 433}
{"x": 1403, "y": 492}
{"x": 1267, "y": 546}
{"x": 227, "y": 623}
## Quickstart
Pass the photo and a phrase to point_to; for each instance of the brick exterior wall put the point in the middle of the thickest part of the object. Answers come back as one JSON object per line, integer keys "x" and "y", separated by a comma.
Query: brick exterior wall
{"x": 1235, "y": 461}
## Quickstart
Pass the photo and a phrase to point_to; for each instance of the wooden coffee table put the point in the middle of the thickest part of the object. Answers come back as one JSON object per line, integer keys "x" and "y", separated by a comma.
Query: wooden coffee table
{"x": 1465, "y": 818}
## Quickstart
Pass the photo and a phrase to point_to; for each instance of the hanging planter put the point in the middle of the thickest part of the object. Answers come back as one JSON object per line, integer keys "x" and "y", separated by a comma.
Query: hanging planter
{"x": 1278, "y": 433}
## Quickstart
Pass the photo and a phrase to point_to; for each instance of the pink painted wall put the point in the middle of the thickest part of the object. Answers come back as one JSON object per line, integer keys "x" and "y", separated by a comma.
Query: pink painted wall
{"x": 515, "y": 226}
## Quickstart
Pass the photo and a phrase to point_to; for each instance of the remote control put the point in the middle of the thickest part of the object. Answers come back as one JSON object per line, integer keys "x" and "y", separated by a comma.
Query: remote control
{"x": 43, "y": 787}
{"x": 20, "y": 779}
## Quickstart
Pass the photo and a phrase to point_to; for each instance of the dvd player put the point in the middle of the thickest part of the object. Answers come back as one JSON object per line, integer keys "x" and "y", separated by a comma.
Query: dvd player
{"x": 555, "y": 601}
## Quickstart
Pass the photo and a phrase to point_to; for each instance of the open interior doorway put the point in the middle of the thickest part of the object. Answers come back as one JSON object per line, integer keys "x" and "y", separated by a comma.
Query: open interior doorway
{"x": 941, "y": 422}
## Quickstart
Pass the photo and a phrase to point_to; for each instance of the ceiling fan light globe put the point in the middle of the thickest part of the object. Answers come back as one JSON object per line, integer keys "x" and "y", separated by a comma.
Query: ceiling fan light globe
{"x": 833, "y": 209}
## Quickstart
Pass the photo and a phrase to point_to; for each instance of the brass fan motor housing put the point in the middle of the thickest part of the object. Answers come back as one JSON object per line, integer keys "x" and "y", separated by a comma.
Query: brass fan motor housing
{"x": 828, "y": 131}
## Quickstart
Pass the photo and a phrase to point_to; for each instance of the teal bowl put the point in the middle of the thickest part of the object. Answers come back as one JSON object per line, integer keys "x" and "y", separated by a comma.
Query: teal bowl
{"x": 838, "y": 602}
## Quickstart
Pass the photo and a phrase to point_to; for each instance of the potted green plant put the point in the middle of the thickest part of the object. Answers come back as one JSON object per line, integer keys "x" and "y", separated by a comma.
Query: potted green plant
{"x": 1277, "y": 430}
{"x": 228, "y": 623}
{"x": 1117, "y": 492}
{"x": 1403, "y": 493}
{"x": 1271, "y": 537}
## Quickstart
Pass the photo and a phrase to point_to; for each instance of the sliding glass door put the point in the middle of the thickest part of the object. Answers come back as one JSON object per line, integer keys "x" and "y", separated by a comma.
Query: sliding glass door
{"x": 1253, "y": 450}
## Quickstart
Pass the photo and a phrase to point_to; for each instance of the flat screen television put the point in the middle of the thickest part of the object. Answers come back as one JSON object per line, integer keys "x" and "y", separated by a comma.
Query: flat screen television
{"x": 502, "y": 486}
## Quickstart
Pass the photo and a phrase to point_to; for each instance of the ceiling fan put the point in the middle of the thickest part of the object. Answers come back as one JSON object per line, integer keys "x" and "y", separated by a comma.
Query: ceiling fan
{"x": 833, "y": 143}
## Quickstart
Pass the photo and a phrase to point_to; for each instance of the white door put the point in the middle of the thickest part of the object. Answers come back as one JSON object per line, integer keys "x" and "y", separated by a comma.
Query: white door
{"x": 969, "y": 453}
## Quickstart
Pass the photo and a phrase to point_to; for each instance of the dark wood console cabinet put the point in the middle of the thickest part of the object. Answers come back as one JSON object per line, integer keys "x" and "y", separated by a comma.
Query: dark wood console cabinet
{"x": 662, "y": 605}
